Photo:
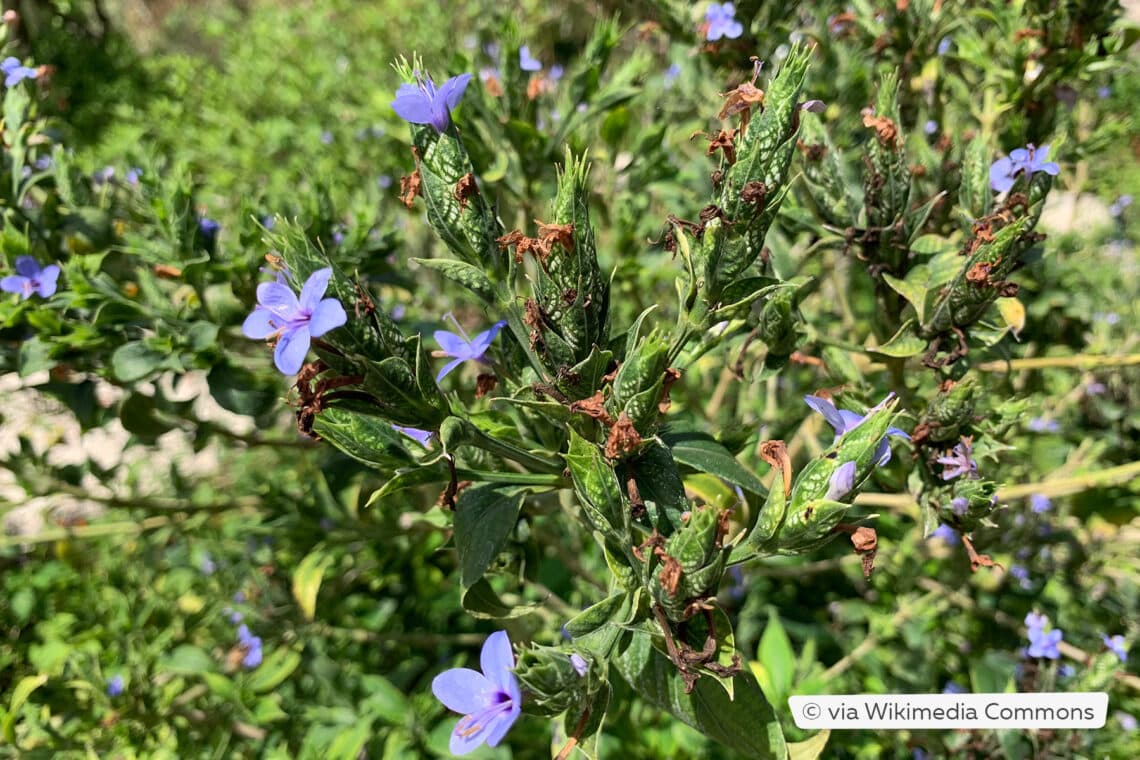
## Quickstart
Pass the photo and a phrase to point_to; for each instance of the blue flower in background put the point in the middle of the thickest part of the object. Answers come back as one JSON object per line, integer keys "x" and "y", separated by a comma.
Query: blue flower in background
{"x": 102, "y": 176}
{"x": 133, "y": 176}
{"x": 15, "y": 72}
{"x": 946, "y": 533}
{"x": 581, "y": 667}
{"x": 1127, "y": 721}
{"x": 944, "y": 45}
{"x": 1035, "y": 621}
{"x": 115, "y": 686}
{"x": 1115, "y": 644}
{"x": 1042, "y": 425}
{"x": 1042, "y": 644}
{"x": 326, "y": 137}
{"x": 489, "y": 701}
{"x": 423, "y": 103}
{"x": 294, "y": 321}
{"x": 252, "y": 646}
{"x": 527, "y": 62}
{"x": 930, "y": 127}
{"x": 959, "y": 505}
{"x": 672, "y": 73}
{"x": 1027, "y": 160}
{"x": 556, "y": 72}
{"x": 464, "y": 349}
{"x": 721, "y": 20}
{"x": 844, "y": 420}
{"x": 953, "y": 687}
{"x": 1039, "y": 503}
{"x": 206, "y": 565}
{"x": 31, "y": 278}
{"x": 209, "y": 229}
{"x": 960, "y": 461}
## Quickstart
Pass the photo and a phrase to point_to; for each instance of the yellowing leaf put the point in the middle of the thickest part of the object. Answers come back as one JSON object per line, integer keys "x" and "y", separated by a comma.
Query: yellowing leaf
{"x": 307, "y": 580}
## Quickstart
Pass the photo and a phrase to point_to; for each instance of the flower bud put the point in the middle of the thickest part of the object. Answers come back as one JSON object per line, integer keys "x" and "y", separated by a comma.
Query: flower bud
{"x": 950, "y": 412}
{"x": 969, "y": 504}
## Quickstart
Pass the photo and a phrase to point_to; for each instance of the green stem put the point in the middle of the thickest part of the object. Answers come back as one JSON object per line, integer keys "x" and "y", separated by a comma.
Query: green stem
{"x": 476, "y": 437}
{"x": 513, "y": 478}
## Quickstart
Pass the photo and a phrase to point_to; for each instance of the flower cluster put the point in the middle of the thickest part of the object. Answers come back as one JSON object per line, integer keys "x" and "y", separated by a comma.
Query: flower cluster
{"x": 489, "y": 701}
{"x": 31, "y": 278}
{"x": 1027, "y": 161}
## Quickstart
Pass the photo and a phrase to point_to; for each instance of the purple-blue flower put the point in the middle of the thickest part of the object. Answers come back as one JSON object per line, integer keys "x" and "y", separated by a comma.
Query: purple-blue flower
{"x": 326, "y": 137}
{"x": 423, "y": 437}
{"x": 15, "y": 72}
{"x": 133, "y": 176}
{"x": 489, "y": 701}
{"x": 581, "y": 667}
{"x": 841, "y": 482}
{"x": 464, "y": 349}
{"x": 1035, "y": 621}
{"x": 209, "y": 229}
{"x": 1042, "y": 425}
{"x": 930, "y": 127}
{"x": 844, "y": 420}
{"x": 102, "y": 176}
{"x": 1127, "y": 721}
{"x": 1027, "y": 160}
{"x": 946, "y": 533}
{"x": 959, "y": 505}
{"x": 423, "y": 103}
{"x": 206, "y": 564}
{"x": 527, "y": 62}
{"x": 31, "y": 278}
{"x": 1039, "y": 503}
{"x": 671, "y": 74}
{"x": 556, "y": 72}
{"x": 1042, "y": 644}
{"x": 953, "y": 687}
{"x": 721, "y": 20}
{"x": 252, "y": 646}
{"x": 944, "y": 45}
{"x": 960, "y": 461}
{"x": 294, "y": 321}
{"x": 1115, "y": 644}
{"x": 115, "y": 686}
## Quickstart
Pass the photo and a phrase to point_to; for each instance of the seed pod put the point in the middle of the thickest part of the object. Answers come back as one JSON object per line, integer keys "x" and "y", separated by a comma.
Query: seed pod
{"x": 950, "y": 412}
{"x": 823, "y": 175}
{"x": 551, "y": 679}
{"x": 693, "y": 564}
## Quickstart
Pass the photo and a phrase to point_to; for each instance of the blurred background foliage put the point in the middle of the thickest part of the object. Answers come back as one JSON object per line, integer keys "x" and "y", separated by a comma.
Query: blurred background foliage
{"x": 157, "y": 489}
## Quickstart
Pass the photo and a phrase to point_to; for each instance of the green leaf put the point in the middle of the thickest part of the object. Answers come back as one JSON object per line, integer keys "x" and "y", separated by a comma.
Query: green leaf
{"x": 221, "y": 685}
{"x": 484, "y": 517}
{"x": 349, "y": 743}
{"x": 410, "y": 478}
{"x": 746, "y": 724}
{"x": 776, "y": 661}
{"x": 307, "y": 580}
{"x": 134, "y": 361}
{"x": 903, "y": 344}
{"x": 35, "y": 355}
{"x": 992, "y": 673}
{"x": 139, "y": 415}
{"x": 278, "y": 666}
{"x": 809, "y": 749}
{"x": 20, "y": 695}
{"x": 596, "y": 629}
{"x": 242, "y": 392}
{"x": 462, "y": 273}
{"x": 384, "y": 700}
{"x": 482, "y": 602}
{"x": 704, "y": 453}
{"x": 364, "y": 437}
{"x": 661, "y": 488}
{"x": 188, "y": 660}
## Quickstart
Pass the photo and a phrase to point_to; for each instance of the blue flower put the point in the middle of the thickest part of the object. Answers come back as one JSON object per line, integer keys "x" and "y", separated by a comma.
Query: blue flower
{"x": 422, "y": 103}
{"x": 1027, "y": 161}
{"x": 293, "y": 321}
{"x": 384, "y": 181}
{"x": 326, "y": 137}
{"x": 930, "y": 127}
{"x": 15, "y": 72}
{"x": 556, "y": 72}
{"x": 1035, "y": 621}
{"x": 209, "y": 229}
{"x": 1115, "y": 644}
{"x": 423, "y": 437}
{"x": 1042, "y": 425}
{"x": 528, "y": 62}
{"x": 133, "y": 176}
{"x": 960, "y": 461}
{"x": 953, "y": 687}
{"x": 672, "y": 73}
{"x": 944, "y": 45}
{"x": 115, "y": 686}
{"x": 464, "y": 349}
{"x": 31, "y": 278}
{"x": 581, "y": 667}
{"x": 1066, "y": 671}
{"x": 206, "y": 564}
{"x": 1127, "y": 722}
{"x": 841, "y": 482}
{"x": 489, "y": 701}
{"x": 946, "y": 533}
{"x": 721, "y": 20}
{"x": 844, "y": 420}
{"x": 1039, "y": 503}
{"x": 251, "y": 645}
{"x": 102, "y": 176}
{"x": 959, "y": 505}
{"x": 1042, "y": 644}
